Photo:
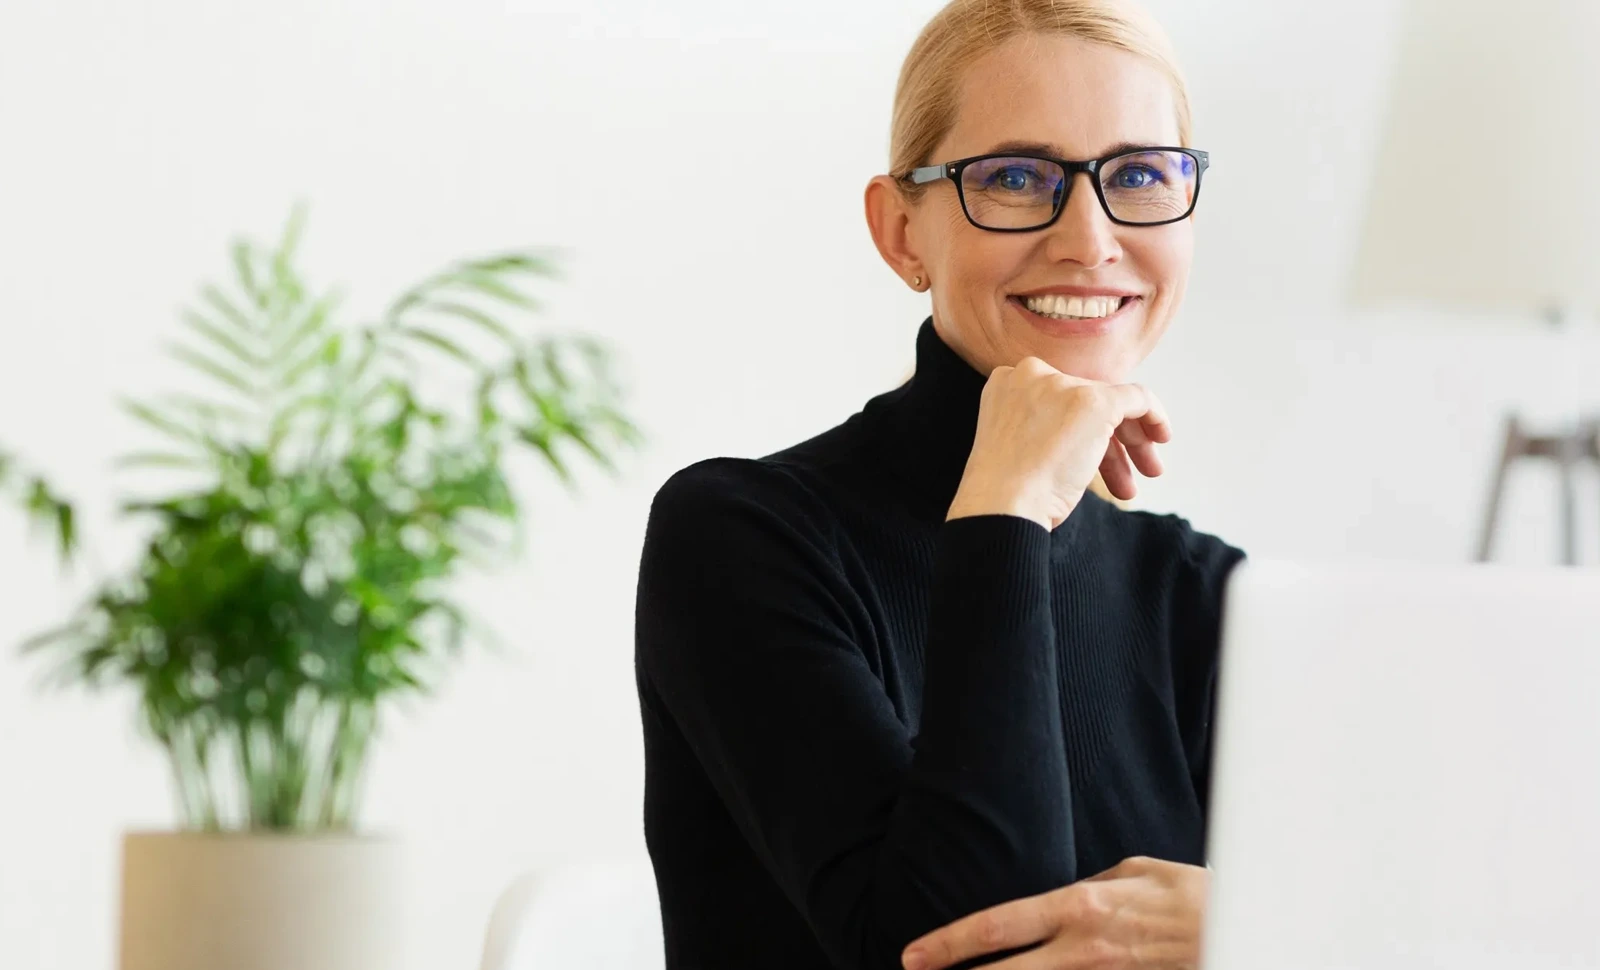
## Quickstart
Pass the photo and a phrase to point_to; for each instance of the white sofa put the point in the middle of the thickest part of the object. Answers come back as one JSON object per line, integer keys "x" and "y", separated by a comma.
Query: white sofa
{"x": 600, "y": 915}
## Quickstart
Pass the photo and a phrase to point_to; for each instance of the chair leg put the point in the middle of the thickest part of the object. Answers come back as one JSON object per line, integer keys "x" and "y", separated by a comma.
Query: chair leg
{"x": 1569, "y": 504}
{"x": 1589, "y": 440}
{"x": 1509, "y": 449}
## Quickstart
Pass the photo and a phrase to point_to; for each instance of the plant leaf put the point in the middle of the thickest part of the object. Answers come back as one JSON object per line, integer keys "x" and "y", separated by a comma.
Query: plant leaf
{"x": 491, "y": 285}
{"x": 540, "y": 440}
{"x": 525, "y": 262}
{"x": 313, "y": 322}
{"x": 245, "y": 272}
{"x": 224, "y": 306}
{"x": 290, "y": 240}
{"x": 472, "y": 315}
{"x": 369, "y": 352}
{"x": 162, "y": 423}
{"x": 325, "y": 355}
{"x": 66, "y": 528}
{"x": 213, "y": 370}
{"x": 210, "y": 410}
{"x": 582, "y": 437}
{"x": 41, "y": 641}
{"x": 550, "y": 357}
{"x": 221, "y": 338}
{"x": 413, "y": 296}
{"x": 440, "y": 342}
{"x": 158, "y": 459}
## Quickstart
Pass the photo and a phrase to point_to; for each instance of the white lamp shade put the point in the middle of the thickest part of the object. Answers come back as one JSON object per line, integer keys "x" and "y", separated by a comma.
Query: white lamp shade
{"x": 1486, "y": 191}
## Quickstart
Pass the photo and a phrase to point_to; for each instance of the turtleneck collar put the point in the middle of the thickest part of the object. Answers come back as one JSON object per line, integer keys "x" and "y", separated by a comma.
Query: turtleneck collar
{"x": 935, "y": 417}
{"x": 932, "y": 420}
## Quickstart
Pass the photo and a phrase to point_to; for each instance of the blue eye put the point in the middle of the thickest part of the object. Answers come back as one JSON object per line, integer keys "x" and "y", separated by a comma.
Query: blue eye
{"x": 1010, "y": 179}
{"x": 1136, "y": 177}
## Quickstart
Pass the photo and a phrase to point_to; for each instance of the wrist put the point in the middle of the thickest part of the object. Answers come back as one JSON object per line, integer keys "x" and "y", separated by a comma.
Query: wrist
{"x": 976, "y": 501}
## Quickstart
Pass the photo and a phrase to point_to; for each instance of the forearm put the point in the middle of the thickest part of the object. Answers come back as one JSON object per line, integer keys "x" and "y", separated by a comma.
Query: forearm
{"x": 984, "y": 813}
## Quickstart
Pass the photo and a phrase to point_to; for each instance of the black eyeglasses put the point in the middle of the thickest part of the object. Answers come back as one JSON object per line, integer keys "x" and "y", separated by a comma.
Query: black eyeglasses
{"x": 1021, "y": 191}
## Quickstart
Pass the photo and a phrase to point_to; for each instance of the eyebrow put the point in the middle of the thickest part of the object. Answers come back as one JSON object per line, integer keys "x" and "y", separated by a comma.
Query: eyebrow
{"x": 1045, "y": 148}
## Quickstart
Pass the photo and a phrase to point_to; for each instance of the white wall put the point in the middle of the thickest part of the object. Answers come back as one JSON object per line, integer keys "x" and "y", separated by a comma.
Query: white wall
{"x": 136, "y": 138}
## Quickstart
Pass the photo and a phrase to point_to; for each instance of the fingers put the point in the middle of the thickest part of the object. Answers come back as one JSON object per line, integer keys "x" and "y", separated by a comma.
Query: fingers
{"x": 1133, "y": 435}
{"x": 1136, "y": 403}
{"x": 1122, "y": 402}
{"x": 1157, "y": 426}
{"x": 1046, "y": 957}
{"x": 1073, "y": 954}
{"x": 1141, "y": 424}
{"x": 1117, "y": 473}
{"x": 1004, "y": 927}
{"x": 1133, "y": 419}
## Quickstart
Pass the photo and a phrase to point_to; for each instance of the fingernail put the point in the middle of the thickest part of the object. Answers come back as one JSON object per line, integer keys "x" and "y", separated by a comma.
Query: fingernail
{"x": 914, "y": 960}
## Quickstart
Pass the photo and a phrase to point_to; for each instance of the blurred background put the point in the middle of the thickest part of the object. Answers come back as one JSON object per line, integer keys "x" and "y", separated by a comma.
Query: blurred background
{"x": 136, "y": 138}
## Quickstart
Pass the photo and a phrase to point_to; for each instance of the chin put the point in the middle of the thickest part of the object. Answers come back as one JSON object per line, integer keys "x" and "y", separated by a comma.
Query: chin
{"x": 1102, "y": 349}
{"x": 1106, "y": 370}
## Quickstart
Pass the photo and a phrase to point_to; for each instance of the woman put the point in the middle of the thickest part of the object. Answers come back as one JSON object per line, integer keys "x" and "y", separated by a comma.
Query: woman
{"x": 910, "y": 670}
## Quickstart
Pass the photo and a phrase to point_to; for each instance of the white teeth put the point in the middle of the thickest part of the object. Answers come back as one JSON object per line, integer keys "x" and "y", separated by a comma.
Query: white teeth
{"x": 1074, "y": 307}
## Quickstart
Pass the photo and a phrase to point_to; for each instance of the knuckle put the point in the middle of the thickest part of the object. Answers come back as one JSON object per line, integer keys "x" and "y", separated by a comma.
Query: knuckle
{"x": 989, "y": 928}
{"x": 999, "y": 383}
{"x": 1097, "y": 401}
{"x": 1093, "y": 904}
{"x": 1084, "y": 394}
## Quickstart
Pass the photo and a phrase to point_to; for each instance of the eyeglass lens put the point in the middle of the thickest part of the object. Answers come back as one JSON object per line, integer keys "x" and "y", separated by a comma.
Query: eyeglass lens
{"x": 1023, "y": 193}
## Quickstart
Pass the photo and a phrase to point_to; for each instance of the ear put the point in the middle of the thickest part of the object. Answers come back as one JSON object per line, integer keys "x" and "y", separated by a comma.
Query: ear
{"x": 889, "y": 219}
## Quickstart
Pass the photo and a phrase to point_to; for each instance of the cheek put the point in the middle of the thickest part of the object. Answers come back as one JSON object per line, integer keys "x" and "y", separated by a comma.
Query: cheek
{"x": 1163, "y": 259}
{"x": 971, "y": 265}
{"x": 963, "y": 250}
{"x": 984, "y": 264}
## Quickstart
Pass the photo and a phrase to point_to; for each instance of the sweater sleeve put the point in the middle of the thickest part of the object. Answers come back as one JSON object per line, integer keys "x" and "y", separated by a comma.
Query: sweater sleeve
{"x": 745, "y": 635}
{"x": 1206, "y": 563}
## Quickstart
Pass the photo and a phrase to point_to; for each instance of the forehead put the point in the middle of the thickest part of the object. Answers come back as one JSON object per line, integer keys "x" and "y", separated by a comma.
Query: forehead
{"x": 1082, "y": 98}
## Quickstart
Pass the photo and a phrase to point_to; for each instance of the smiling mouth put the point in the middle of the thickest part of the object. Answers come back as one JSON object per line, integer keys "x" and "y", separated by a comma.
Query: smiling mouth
{"x": 1059, "y": 307}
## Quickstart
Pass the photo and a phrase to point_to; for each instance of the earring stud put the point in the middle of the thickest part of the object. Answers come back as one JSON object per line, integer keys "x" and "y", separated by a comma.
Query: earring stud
{"x": 916, "y": 282}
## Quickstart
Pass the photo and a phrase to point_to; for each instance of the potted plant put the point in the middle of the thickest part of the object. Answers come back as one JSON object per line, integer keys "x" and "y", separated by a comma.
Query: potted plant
{"x": 320, "y": 498}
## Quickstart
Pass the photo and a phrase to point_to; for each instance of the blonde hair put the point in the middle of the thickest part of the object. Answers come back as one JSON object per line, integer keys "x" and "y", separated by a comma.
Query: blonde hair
{"x": 926, "y": 98}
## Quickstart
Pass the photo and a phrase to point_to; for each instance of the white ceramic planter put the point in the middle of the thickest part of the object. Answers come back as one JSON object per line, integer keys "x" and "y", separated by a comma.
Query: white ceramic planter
{"x": 193, "y": 901}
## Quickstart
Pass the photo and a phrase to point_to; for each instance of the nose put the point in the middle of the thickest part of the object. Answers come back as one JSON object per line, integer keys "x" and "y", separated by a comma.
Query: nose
{"x": 1083, "y": 234}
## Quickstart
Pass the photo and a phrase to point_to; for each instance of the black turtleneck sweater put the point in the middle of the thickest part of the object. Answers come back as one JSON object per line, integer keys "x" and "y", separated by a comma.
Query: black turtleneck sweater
{"x": 862, "y": 722}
